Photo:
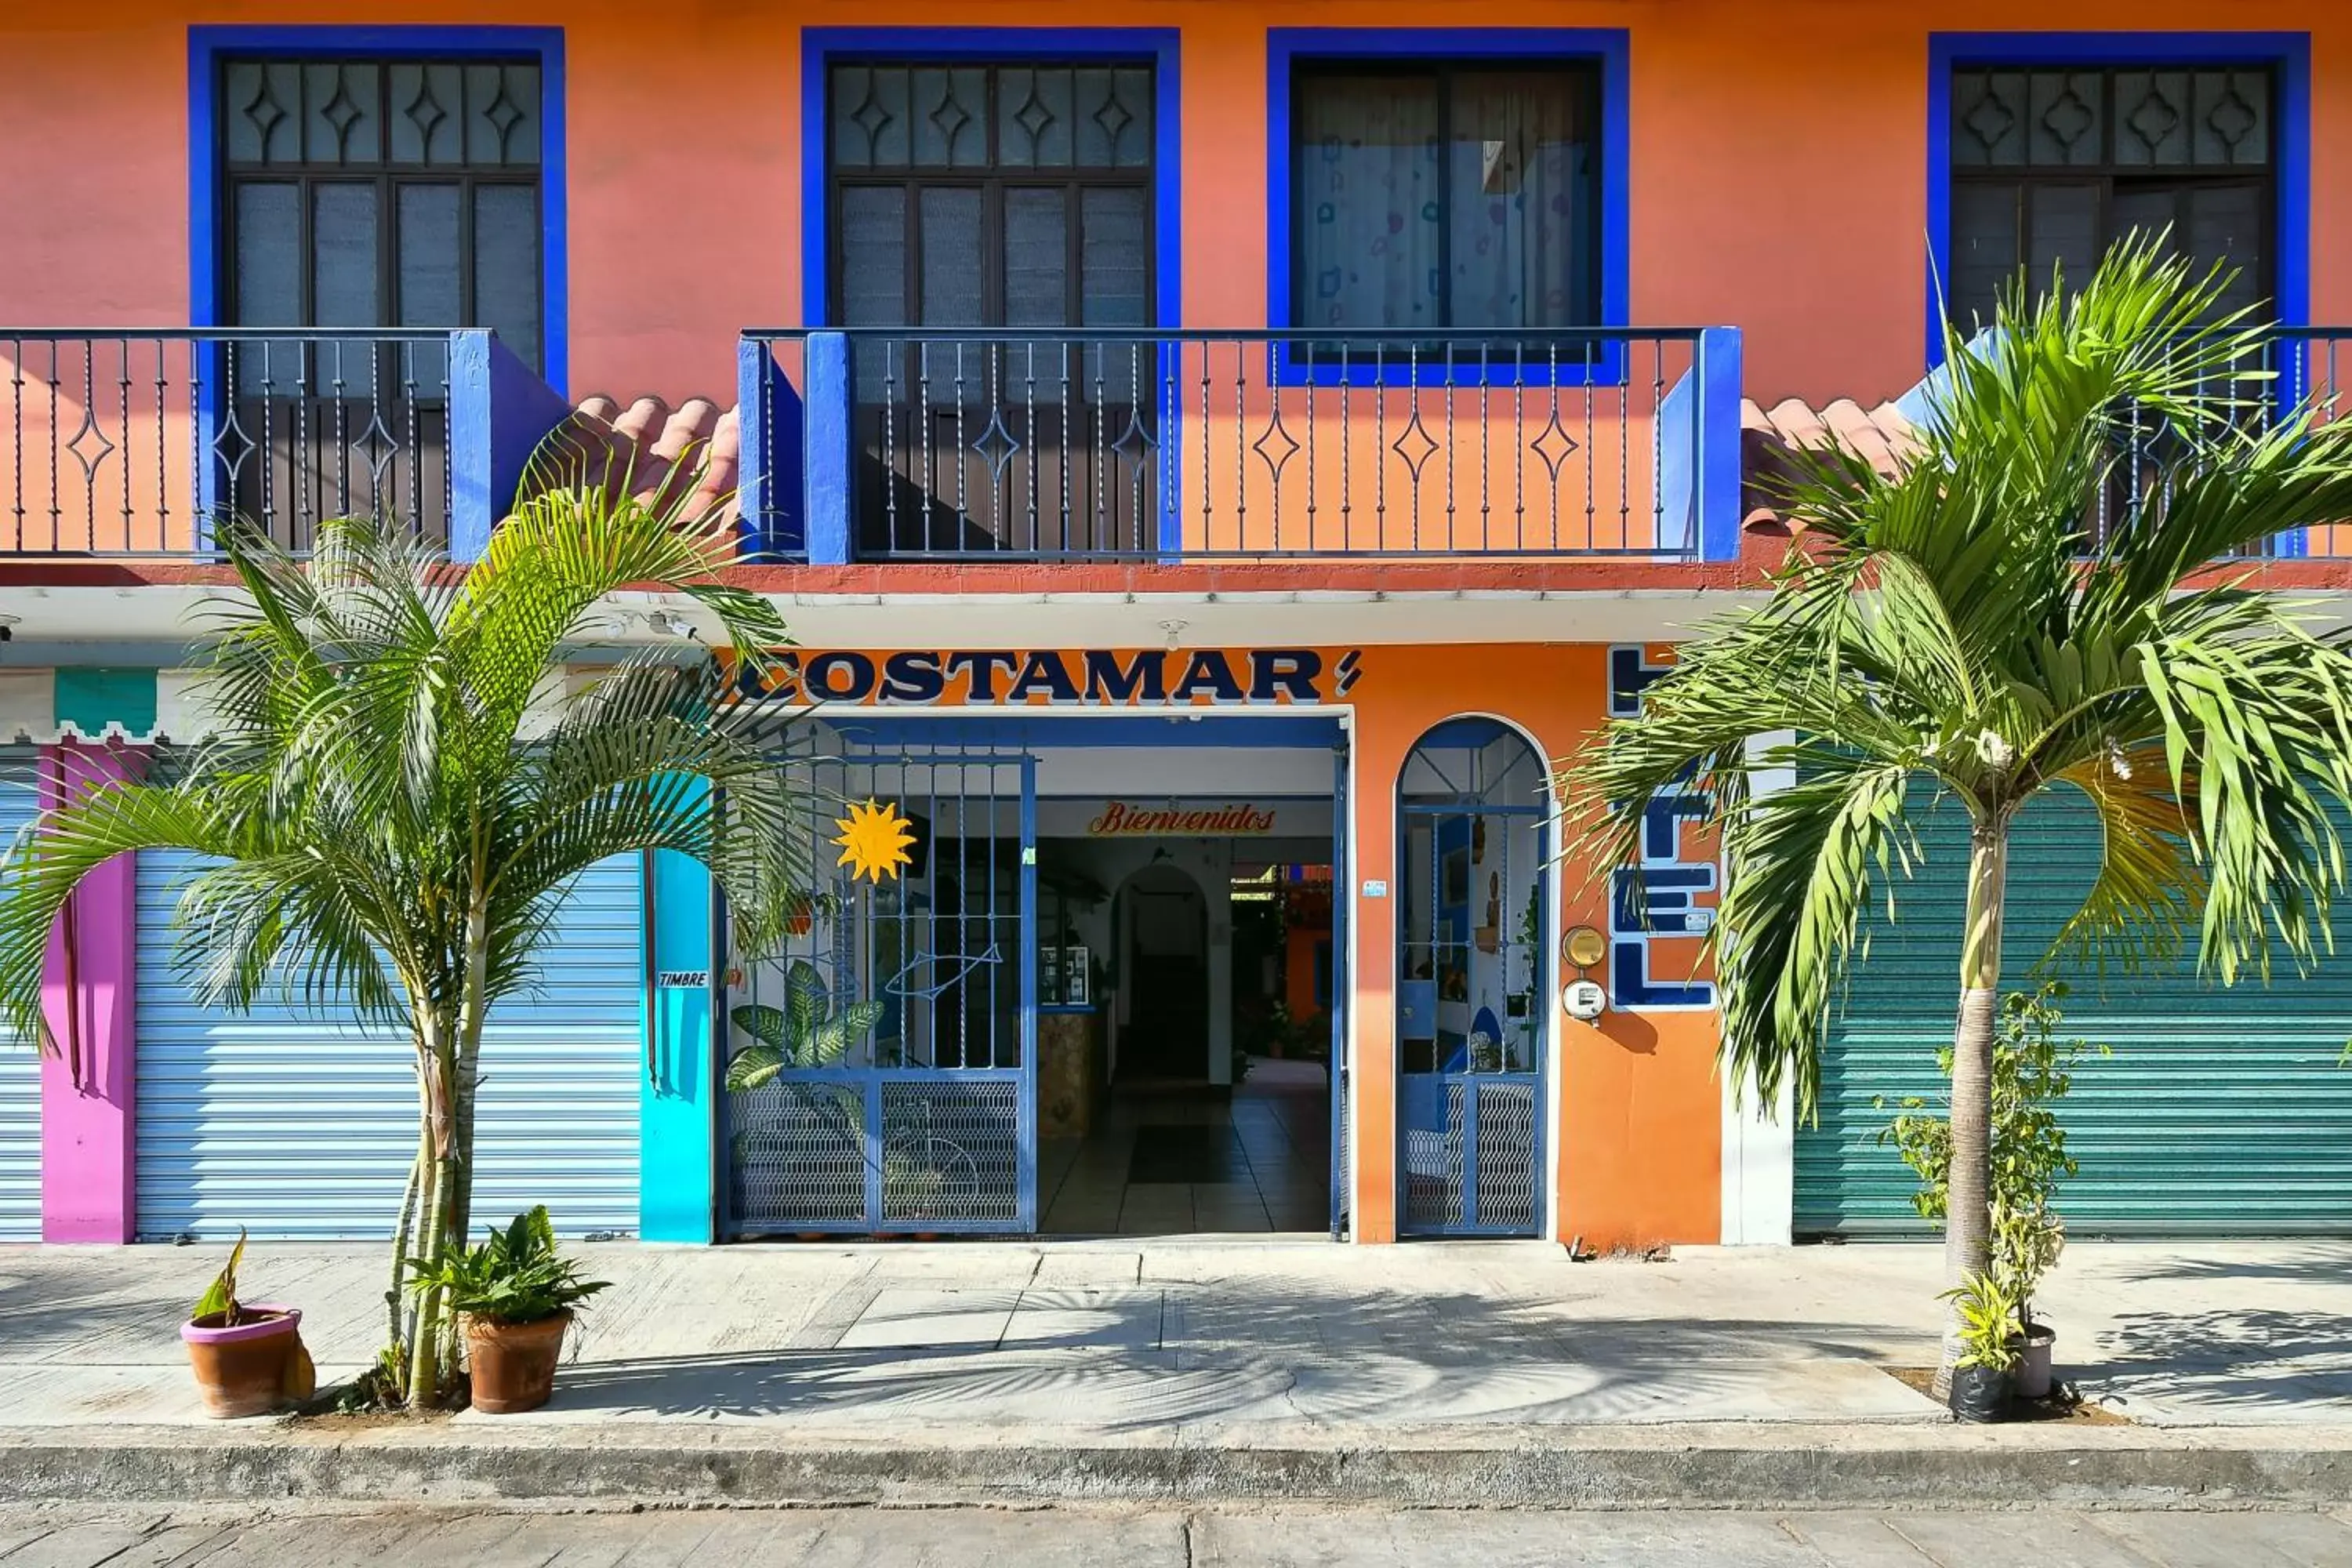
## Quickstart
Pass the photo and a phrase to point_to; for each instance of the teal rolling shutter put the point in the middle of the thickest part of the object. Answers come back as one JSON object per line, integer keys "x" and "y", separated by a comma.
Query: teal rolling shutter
{"x": 2221, "y": 1112}
{"x": 20, "y": 1065}
{"x": 303, "y": 1128}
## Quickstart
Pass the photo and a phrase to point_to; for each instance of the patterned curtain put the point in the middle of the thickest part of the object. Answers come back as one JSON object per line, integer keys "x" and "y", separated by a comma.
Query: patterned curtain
{"x": 1454, "y": 204}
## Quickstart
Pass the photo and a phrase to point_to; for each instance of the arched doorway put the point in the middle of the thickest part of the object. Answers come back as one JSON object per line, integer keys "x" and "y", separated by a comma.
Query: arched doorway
{"x": 1164, "y": 926}
{"x": 1472, "y": 981}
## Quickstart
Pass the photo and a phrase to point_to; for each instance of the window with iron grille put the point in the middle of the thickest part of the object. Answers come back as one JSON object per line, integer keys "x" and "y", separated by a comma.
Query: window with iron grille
{"x": 991, "y": 195}
{"x": 2052, "y": 165}
{"x": 1446, "y": 196}
{"x": 384, "y": 193}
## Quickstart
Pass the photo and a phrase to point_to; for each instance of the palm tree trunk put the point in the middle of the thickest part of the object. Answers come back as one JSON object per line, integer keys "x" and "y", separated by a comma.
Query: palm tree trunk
{"x": 1967, "y": 1217}
{"x": 403, "y": 1245}
{"x": 440, "y": 1191}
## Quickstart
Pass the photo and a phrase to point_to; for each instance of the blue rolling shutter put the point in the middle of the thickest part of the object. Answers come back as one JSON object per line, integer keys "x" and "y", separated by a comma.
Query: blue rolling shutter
{"x": 303, "y": 1128}
{"x": 20, "y": 1064}
{"x": 2221, "y": 1111}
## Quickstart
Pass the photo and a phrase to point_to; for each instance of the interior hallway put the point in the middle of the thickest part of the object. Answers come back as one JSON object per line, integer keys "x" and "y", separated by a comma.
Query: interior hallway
{"x": 1177, "y": 1161}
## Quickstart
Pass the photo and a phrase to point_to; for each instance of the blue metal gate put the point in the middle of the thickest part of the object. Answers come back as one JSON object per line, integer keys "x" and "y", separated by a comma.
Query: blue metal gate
{"x": 1470, "y": 992}
{"x": 927, "y": 1123}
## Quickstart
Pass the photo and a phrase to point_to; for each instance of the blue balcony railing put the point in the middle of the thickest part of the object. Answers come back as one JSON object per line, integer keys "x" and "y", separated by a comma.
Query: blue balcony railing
{"x": 1157, "y": 447}
{"x": 142, "y": 445}
{"x": 2294, "y": 367}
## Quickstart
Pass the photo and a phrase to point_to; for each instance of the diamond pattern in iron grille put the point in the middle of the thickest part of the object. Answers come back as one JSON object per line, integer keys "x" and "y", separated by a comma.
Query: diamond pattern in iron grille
{"x": 1507, "y": 1155}
{"x": 951, "y": 1151}
{"x": 800, "y": 1156}
{"x": 1432, "y": 1162}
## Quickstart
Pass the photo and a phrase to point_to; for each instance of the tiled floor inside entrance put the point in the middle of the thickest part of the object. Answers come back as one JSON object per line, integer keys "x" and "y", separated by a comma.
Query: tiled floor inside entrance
{"x": 1178, "y": 1161}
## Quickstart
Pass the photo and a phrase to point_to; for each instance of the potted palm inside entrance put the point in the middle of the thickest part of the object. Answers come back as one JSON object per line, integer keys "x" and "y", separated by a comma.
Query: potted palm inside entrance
{"x": 515, "y": 1293}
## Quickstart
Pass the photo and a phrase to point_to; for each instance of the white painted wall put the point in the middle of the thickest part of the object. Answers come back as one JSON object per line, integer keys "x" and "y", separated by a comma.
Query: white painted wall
{"x": 1759, "y": 1152}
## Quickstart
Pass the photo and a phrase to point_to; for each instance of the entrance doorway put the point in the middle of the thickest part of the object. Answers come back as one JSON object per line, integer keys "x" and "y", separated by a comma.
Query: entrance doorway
{"x": 1039, "y": 1026}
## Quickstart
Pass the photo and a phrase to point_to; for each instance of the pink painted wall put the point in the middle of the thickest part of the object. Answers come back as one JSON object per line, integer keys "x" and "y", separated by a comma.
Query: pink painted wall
{"x": 89, "y": 1081}
{"x": 1779, "y": 159}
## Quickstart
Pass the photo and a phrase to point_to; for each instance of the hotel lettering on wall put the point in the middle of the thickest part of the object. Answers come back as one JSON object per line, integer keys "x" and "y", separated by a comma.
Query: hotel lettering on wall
{"x": 1082, "y": 677}
{"x": 1657, "y": 900}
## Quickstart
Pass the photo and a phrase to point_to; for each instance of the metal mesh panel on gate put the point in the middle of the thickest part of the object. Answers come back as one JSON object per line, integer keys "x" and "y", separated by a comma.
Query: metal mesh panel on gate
{"x": 951, "y": 1151}
{"x": 799, "y": 1155}
{"x": 1505, "y": 1114}
{"x": 1433, "y": 1169}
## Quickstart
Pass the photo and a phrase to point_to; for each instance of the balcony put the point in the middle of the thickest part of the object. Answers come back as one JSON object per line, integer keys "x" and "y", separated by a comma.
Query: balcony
{"x": 137, "y": 446}
{"x": 1152, "y": 449}
{"x": 976, "y": 447}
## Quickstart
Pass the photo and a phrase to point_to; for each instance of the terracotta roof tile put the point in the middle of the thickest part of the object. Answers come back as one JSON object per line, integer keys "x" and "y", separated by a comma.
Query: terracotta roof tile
{"x": 1880, "y": 434}
{"x": 694, "y": 451}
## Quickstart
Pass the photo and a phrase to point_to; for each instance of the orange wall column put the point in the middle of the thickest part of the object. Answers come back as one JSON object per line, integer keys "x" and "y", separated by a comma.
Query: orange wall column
{"x": 1383, "y": 736}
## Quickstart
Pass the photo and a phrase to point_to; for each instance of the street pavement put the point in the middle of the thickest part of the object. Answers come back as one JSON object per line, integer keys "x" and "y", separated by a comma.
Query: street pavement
{"x": 1275, "y": 1538}
{"x": 1234, "y": 1341}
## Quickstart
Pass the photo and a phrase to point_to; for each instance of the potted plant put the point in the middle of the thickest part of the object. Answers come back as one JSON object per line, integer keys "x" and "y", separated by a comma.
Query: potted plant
{"x": 517, "y": 1295}
{"x": 2031, "y": 1072}
{"x": 247, "y": 1358}
{"x": 1984, "y": 1374}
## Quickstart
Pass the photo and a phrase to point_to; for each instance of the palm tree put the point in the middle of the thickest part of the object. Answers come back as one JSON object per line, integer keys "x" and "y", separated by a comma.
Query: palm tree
{"x": 406, "y": 780}
{"x": 1959, "y": 628}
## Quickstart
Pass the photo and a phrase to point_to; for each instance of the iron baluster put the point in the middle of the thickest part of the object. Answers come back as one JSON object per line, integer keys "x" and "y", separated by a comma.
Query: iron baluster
{"x": 162, "y": 463}
{"x": 1381, "y": 446}
{"x": 1658, "y": 444}
{"x": 889, "y": 429}
{"x": 1310, "y": 453}
{"x": 1485, "y": 498}
{"x": 123, "y": 379}
{"x": 1062, "y": 362}
{"x": 1241, "y": 461}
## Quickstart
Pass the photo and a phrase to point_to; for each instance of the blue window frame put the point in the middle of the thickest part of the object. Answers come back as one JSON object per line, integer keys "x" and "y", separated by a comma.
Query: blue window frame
{"x": 209, "y": 47}
{"x": 2285, "y": 56}
{"x": 1597, "y": 60}
{"x": 823, "y": 47}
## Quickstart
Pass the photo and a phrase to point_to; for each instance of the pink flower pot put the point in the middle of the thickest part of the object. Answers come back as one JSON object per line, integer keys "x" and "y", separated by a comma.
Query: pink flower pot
{"x": 242, "y": 1371}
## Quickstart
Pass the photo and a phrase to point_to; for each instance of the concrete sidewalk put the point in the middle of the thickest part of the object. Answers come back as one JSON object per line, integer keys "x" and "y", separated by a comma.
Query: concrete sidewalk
{"x": 1206, "y": 1335}
{"x": 1207, "y": 1367}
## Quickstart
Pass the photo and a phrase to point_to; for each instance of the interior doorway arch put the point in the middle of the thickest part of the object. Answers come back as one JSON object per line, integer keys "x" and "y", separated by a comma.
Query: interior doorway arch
{"x": 1473, "y": 982}
{"x": 1164, "y": 1028}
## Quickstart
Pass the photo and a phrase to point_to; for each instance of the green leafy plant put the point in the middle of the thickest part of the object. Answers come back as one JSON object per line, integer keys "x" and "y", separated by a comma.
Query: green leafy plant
{"x": 1987, "y": 1317}
{"x": 405, "y": 776}
{"x": 516, "y": 1276}
{"x": 1961, "y": 624}
{"x": 804, "y": 1033}
{"x": 220, "y": 1297}
{"x": 2031, "y": 1072}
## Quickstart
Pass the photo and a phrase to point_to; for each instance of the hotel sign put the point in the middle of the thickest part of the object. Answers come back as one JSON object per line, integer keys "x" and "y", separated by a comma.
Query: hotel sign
{"x": 1083, "y": 677}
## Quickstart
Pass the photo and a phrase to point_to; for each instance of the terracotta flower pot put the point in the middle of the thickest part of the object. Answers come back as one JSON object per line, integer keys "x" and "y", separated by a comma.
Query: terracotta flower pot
{"x": 513, "y": 1364}
{"x": 242, "y": 1371}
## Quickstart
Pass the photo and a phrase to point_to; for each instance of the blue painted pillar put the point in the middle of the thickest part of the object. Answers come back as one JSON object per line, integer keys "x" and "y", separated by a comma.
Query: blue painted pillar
{"x": 678, "y": 1156}
{"x": 1718, "y": 478}
{"x": 826, "y": 467}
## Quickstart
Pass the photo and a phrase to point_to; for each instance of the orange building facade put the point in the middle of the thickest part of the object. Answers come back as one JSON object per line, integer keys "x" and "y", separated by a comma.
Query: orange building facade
{"x": 1336, "y": 409}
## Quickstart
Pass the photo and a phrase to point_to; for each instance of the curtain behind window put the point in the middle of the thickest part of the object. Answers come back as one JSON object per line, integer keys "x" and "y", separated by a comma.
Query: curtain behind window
{"x": 1455, "y": 200}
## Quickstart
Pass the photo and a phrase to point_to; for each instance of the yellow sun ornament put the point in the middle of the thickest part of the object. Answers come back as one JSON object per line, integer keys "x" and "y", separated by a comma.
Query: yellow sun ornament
{"x": 873, "y": 840}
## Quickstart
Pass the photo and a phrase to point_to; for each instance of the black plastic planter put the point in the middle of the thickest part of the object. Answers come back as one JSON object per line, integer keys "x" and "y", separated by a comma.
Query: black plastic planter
{"x": 1981, "y": 1394}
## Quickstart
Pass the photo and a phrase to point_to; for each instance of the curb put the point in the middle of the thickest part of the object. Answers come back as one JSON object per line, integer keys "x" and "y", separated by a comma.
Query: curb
{"x": 1559, "y": 1468}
